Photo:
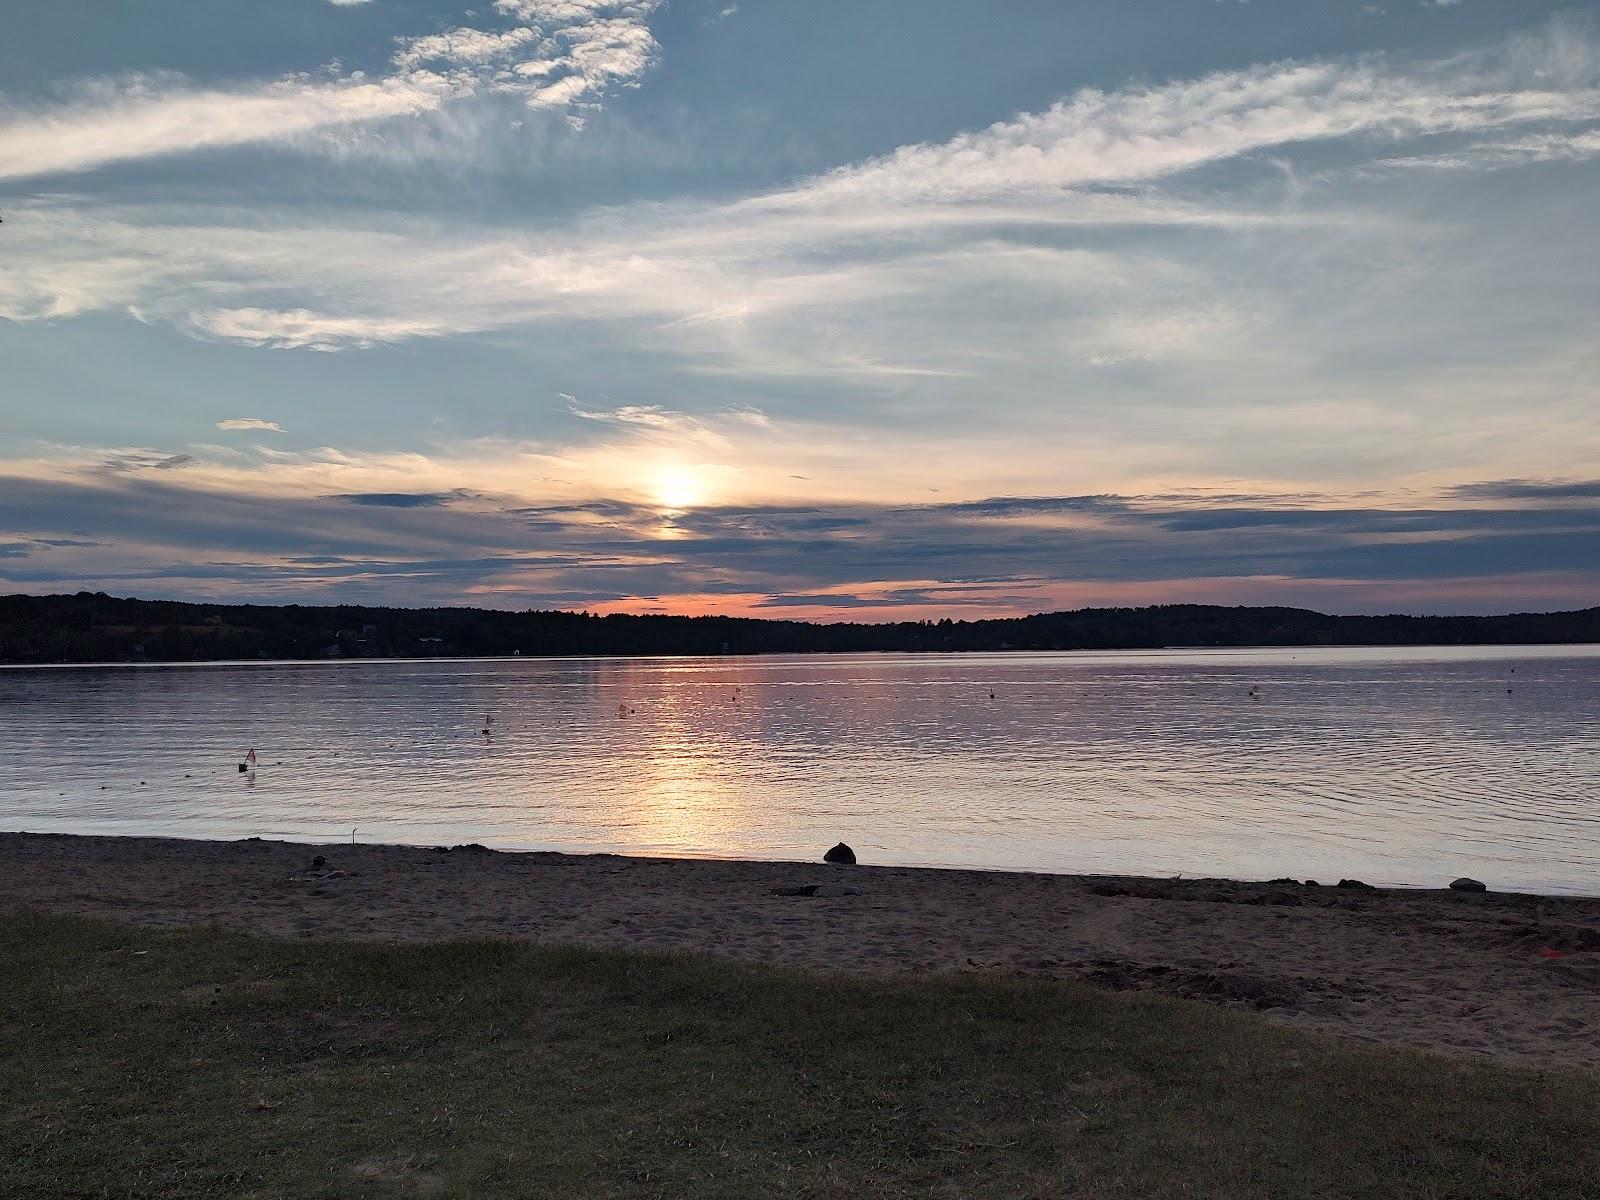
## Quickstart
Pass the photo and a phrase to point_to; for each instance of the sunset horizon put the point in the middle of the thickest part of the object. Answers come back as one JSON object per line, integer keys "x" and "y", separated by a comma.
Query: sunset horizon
{"x": 622, "y": 305}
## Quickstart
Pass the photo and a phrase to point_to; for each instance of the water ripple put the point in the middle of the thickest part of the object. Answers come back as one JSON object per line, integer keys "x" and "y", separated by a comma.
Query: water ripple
{"x": 1405, "y": 767}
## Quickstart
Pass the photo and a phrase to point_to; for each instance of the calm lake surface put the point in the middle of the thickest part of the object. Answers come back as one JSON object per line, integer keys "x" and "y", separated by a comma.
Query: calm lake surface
{"x": 1407, "y": 766}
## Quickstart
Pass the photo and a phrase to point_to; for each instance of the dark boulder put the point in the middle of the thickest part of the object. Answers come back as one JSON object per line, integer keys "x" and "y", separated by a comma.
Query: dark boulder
{"x": 1357, "y": 885}
{"x": 840, "y": 854}
{"x": 1468, "y": 885}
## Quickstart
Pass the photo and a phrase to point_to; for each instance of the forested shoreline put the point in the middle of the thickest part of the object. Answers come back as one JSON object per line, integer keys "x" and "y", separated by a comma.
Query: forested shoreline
{"x": 95, "y": 627}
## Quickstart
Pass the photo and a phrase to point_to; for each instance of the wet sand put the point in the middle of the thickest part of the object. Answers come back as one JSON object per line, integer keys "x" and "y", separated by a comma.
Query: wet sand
{"x": 1449, "y": 971}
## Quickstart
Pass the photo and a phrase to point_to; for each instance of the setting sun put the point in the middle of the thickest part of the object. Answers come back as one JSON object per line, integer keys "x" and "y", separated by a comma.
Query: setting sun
{"x": 679, "y": 488}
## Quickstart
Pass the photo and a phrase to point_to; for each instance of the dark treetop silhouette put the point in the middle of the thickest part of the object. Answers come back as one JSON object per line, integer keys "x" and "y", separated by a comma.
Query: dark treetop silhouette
{"x": 94, "y": 627}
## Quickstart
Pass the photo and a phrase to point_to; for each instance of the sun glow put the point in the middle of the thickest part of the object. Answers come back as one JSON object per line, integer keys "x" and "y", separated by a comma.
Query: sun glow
{"x": 678, "y": 488}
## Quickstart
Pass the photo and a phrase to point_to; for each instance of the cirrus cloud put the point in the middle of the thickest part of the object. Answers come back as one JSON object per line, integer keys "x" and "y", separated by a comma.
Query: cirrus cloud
{"x": 559, "y": 54}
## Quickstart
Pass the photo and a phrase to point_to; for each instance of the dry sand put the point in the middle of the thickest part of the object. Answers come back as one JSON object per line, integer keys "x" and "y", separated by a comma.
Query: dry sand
{"x": 1448, "y": 971}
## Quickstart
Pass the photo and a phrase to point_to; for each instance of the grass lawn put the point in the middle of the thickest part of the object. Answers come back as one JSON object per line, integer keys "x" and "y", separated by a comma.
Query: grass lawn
{"x": 143, "y": 1064}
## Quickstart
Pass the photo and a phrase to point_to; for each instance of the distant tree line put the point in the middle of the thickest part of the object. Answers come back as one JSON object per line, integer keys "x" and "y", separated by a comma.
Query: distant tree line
{"x": 95, "y": 627}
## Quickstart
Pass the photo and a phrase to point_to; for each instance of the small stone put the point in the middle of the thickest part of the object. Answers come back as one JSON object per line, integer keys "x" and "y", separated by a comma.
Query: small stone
{"x": 840, "y": 854}
{"x": 1468, "y": 885}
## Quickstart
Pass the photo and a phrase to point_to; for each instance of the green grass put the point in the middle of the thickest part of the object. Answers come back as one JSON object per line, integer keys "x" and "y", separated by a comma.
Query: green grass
{"x": 141, "y": 1064}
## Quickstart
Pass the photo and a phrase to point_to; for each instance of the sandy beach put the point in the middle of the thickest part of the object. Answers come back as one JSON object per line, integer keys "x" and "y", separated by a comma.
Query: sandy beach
{"x": 1516, "y": 977}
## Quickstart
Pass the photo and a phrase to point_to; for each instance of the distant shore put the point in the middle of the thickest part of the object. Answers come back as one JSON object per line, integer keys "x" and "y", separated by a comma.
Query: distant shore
{"x": 1498, "y": 649}
{"x": 1512, "y": 976}
{"x": 94, "y": 627}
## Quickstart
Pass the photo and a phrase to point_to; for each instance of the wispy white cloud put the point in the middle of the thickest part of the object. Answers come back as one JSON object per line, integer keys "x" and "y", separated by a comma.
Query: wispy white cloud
{"x": 561, "y": 54}
{"x": 303, "y": 329}
{"x": 740, "y": 286}
{"x": 656, "y": 425}
{"x": 649, "y": 416}
{"x": 250, "y": 423}
{"x": 1146, "y": 134}
{"x": 1512, "y": 152}
{"x": 463, "y": 46}
{"x": 117, "y": 121}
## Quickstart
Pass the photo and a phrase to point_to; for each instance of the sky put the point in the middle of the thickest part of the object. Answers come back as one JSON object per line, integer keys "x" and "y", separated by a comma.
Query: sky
{"x": 897, "y": 310}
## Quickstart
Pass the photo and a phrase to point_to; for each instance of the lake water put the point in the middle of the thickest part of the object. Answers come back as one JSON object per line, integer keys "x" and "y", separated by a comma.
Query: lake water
{"x": 1407, "y": 766}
